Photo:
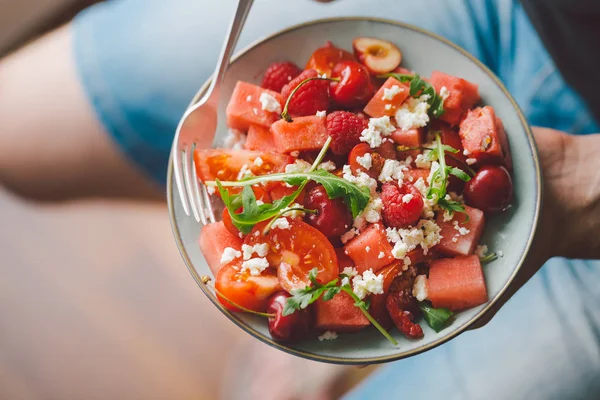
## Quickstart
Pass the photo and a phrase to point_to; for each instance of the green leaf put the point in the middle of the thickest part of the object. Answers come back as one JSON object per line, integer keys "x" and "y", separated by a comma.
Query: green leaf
{"x": 460, "y": 174}
{"x": 449, "y": 149}
{"x": 331, "y": 292}
{"x": 488, "y": 258}
{"x": 355, "y": 197}
{"x": 436, "y": 318}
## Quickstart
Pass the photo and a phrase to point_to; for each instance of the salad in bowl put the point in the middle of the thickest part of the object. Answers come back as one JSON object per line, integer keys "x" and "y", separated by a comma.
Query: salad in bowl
{"x": 355, "y": 195}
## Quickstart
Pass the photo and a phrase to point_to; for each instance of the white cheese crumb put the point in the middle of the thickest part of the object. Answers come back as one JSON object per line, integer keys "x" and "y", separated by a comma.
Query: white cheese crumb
{"x": 421, "y": 161}
{"x": 371, "y": 213}
{"x": 281, "y": 223}
{"x": 428, "y": 204}
{"x": 323, "y": 75}
{"x": 377, "y": 128}
{"x": 328, "y": 166}
{"x": 500, "y": 253}
{"x": 400, "y": 249}
{"x": 388, "y": 106}
{"x": 426, "y": 234}
{"x": 365, "y": 161}
{"x": 295, "y": 153}
{"x": 447, "y": 216}
{"x": 471, "y": 161}
{"x": 321, "y": 113}
{"x": 407, "y": 262}
{"x": 367, "y": 283}
{"x": 419, "y": 290}
{"x": 298, "y": 166}
{"x": 245, "y": 172}
{"x": 259, "y": 202}
{"x": 255, "y": 111}
{"x": 230, "y": 254}
{"x": 413, "y": 113}
{"x": 258, "y": 161}
{"x": 294, "y": 213}
{"x": 328, "y": 335}
{"x": 461, "y": 229}
{"x": 234, "y": 140}
{"x": 392, "y": 170}
{"x": 361, "y": 179}
{"x": 345, "y": 238}
{"x": 211, "y": 189}
{"x": 261, "y": 249}
{"x": 444, "y": 93}
{"x": 407, "y": 198}
{"x": 455, "y": 239}
{"x": 345, "y": 281}
{"x": 269, "y": 103}
{"x": 381, "y": 255}
{"x": 390, "y": 93}
{"x": 481, "y": 250}
{"x": 367, "y": 249}
{"x": 249, "y": 98}
{"x": 255, "y": 266}
{"x": 466, "y": 152}
{"x": 350, "y": 271}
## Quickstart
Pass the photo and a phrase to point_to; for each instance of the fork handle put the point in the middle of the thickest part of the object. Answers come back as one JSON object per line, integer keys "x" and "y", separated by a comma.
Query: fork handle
{"x": 235, "y": 28}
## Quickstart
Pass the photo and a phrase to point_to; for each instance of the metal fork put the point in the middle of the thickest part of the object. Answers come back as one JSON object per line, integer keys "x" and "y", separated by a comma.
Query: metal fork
{"x": 198, "y": 126}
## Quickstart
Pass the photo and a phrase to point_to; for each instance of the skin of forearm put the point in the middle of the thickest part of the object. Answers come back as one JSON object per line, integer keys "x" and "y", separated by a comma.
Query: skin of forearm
{"x": 52, "y": 146}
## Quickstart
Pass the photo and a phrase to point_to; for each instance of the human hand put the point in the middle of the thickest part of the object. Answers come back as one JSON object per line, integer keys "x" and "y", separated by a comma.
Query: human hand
{"x": 570, "y": 216}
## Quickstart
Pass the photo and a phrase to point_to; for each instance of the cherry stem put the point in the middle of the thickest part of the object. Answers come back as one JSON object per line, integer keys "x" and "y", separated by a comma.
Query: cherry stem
{"x": 488, "y": 258}
{"x": 369, "y": 316}
{"x": 284, "y": 113}
{"x": 206, "y": 279}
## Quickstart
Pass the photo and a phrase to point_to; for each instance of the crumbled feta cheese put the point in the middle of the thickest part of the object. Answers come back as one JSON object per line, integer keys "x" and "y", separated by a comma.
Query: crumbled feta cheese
{"x": 407, "y": 262}
{"x": 371, "y": 213}
{"x": 400, "y": 249}
{"x": 255, "y": 111}
{"x": 444, "y": 93}
{"x": 367, "y": 249}
{"x": 259, "y": 202}
{"x": 471, "y": 161}
{"x": 421, "y": 161}
{"x": 361, "y": 179}
{"x": 345, "y": 281}
{"x": 261, "y": 249}
{"x": 245, "y": 172}
{"x": 211, "y": 189}
{"x": 365, "y": 161}
{"x": 413, "y": 113}
{"x": 327, "y": 166}
{"x": 466, "y": 152}
{"x": 454, "y": 196}
{"x": 367, "y": 283}
{"x": 349, "y": 235}
{"x": 281, "y": 223}
{"x": 258, "y": 161}
{"x": 388, "y": 107}
{"x": 377, "y": 128}
{"x": 294, "y": 213}
{"x": 390, "y": 93}
{"x": 392, "y": 170}
{"x": 255, "y": 266}
{"x": 481, "y": 250}
{"x": 407, "y": 198}
{"x": 381, "y": 255}
{"x": 234, "y": 140}
{"x": 447, "y": 216}
{"x": 431, "y": 234}
{"x": 230, "y": 254}
{"x": 295, "y": 153}
{"x": 461, "y": 229}
{"x": 428, "y": 204}
{"x": 500, "y": 253}
{"x": 321, "y": 113}
{"x": 269, "y": 103}
{"x": 298, "y": 166}
{"x": 349, "y": 271}
{"x": 419, "y": 290}
{"x": 323, "y": 75}
{"x": 249, "y": 98}
{"x": 328, "y": 335}
{"x": 455, "y": 239}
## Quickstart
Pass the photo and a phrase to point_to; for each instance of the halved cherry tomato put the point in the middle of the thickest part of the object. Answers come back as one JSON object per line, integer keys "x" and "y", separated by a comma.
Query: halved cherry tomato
{"x": 243, "y": 289}
{"x": 259, "y": 192}
{"x": 295, "y": 251}
{"x": 325, "y": 58}
{"x": 277, "y": 190}
{"x": 378, "y": 309}
{"x": 378, "y": 156}
{"x": 226, "y": 164}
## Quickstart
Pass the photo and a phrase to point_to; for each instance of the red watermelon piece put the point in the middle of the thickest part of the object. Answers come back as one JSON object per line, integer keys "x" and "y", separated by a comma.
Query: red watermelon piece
{"x": 365, "y": 249}
{"x": 214, "y": 238}
{"x": 302, "y": 134}
{"x": 484, "y": 138}
{"x": 452, "y": 242}
{"x": 463, "y": 95}
{"x": 260, "y": 138}
{"x": 339, "y": 315}
{"x": 244, "y": 108}
{"x": 376, "y": 107}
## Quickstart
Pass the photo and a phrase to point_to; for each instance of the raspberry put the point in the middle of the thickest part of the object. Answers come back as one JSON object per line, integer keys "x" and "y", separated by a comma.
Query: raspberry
{"x": 402, "y": 205}
{"x": 344, "y": 128}
{"x": 280, "y": 74}
{"x": 311, "y": 97}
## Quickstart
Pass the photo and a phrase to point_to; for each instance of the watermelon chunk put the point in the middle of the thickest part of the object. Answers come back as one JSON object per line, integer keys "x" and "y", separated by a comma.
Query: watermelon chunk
{"x": 214, "y": 238}
{"x": 339, "y": 314}
{"x": 483, "y": 136}
{"x": 376, "y": 107}
{"x": 378, "y": 308}
{"x": 226, "y": 164}
{"x": 463, "y": 95}
{"x": 343, "y": 259}
{"x": 452, "y": 242}
{"x": 366, "y": 248}
{"x": 412, "y": 175}
{"x": 260, "y": 138}
{"x": 409, "y": 138}
{"x": 456, "y": 283}
{"x": 302, "y": 134}
{"x": 244, "y": 108}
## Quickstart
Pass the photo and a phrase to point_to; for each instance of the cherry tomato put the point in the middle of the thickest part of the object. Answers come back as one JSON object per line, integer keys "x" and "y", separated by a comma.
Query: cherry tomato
{"x": 377, "y": 158}
{"x": 226, "y": 164}
{"x": 295, "y": 251}
{"x": 354, "y": 88}
{"x": 378, "y": 309}
{"x": 259, "y": 192}
{"x": 332, "y": 218}
{"x": 325, "y": 58}
{"x": 490, "y": 190}
{"x": 243, "y": 289}
{"x": 289, "y": 328}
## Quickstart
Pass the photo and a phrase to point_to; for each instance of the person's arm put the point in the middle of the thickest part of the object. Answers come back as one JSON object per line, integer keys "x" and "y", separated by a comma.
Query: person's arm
{"x": 52, "y": 145}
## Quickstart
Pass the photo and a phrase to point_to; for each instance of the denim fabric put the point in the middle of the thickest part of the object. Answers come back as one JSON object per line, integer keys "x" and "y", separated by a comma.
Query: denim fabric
{"x": 141, "y": 61}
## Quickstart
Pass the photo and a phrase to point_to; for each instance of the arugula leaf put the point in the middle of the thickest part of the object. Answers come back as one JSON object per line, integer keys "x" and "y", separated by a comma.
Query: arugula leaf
{"x": 459, "y": 173}
{"x": 355, "y": 197}
{"x": 419, "y": 87}
{"x": 436, "y": 318}
{"x": 252, "y": 212}
{"x": 488, "y": 258}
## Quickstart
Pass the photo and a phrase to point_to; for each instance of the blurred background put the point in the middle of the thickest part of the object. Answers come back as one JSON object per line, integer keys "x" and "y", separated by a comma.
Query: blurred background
{"x": 95, "y": 302}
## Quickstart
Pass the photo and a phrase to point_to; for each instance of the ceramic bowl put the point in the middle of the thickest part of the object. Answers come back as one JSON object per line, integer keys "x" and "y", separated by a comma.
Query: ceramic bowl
{"x": 511, "y": 232}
